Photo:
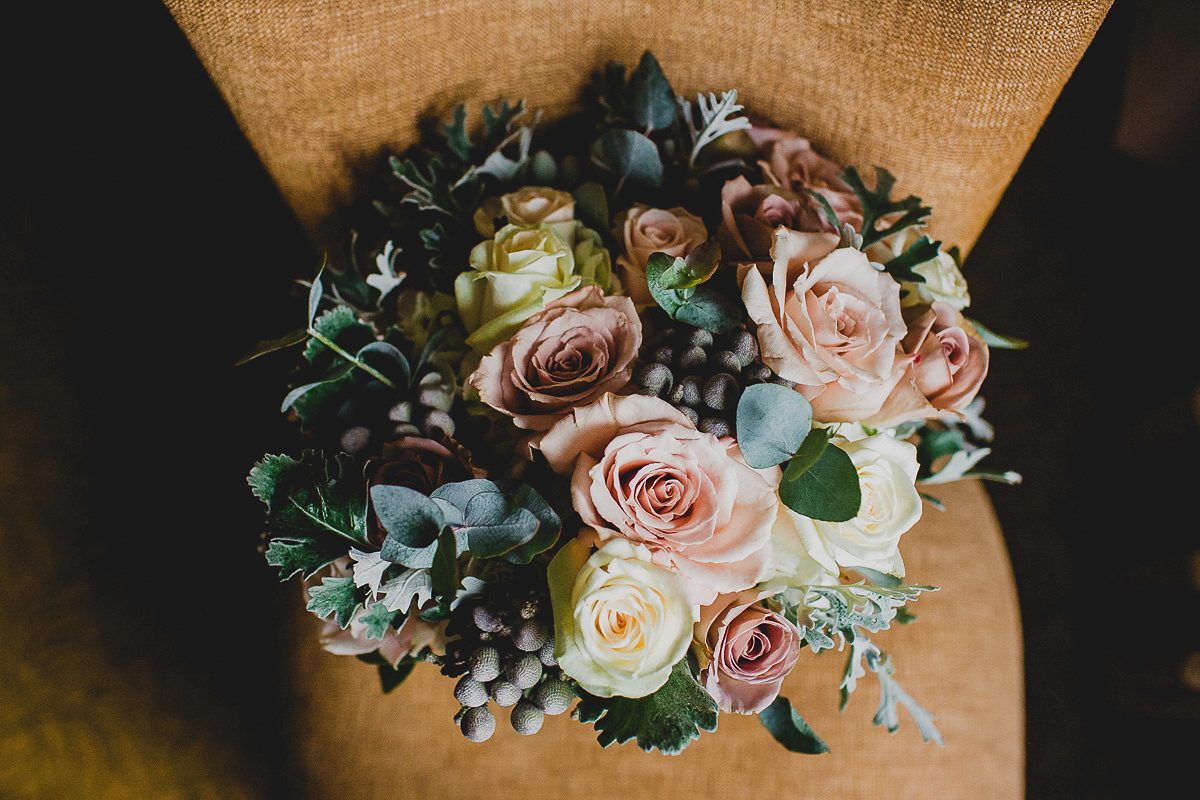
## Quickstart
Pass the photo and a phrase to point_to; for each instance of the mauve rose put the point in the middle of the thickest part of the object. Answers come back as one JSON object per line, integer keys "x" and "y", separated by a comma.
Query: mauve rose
{"x": 750, "y": 215}
{"x": 750, "y": 649}
{"x": 654, "y": 230}
{"x": 949, "y": 362}
{"x": 790, "y": 162}
{"x": 414, "y": 463}
{"x": 580, "y": 347}
{"x": 833, "y": 328}
{"x": 640, "y": 470}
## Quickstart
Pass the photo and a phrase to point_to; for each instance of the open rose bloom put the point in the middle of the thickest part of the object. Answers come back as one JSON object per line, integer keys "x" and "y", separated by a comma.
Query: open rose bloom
{"x": 619, "y": 425}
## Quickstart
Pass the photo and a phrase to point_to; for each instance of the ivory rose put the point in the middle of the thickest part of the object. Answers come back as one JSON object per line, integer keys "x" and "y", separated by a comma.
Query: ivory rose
{"x": 745, "y": 651}
{"x": 790, "y": 162}
{"x": 514, "y": 275}
{"x": 943, "y": 280}
{"x": 832, "y": 327}
{"x": 644, "y": 231}
{"x": 621, "y": 622}
{"x": 580, "y": 347}
{"x": 887, "y": 473}
{"x": 750, "y": 215}
{"x": 949, "y": 362}
{"x": 640, "y": 470}
{"x": 527, "y": 206}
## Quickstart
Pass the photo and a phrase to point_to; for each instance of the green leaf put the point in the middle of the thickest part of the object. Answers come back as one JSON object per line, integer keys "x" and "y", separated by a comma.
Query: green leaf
{"x": 412, "y": 521}
{"x": 296, "y": 337}
{"x": 826, "y": 211}
{"x": 591, "y": 206}
{"x": 313, "y": 497}
{"x": 377, "y": 620}
{"x": 336, "y": 596}
{"x": 657, "y": 265}
{"x": 808, "y": 454}
{"x": 917, "y": 253}
{"x": 630, "y": 156}
{"x": 336, "y": 373}
{"x": 651, "y": 95}
{"x": 993, "y": 339}
{"x": 315, "y": 292}
{"x": 305, "y": 555}
{"x": 456, "y": 134}
{"x": 828, "y": 490}
{"x": 390, "y": 677}
{"x": 772, "y": 423}
{"x": 444, "y": 572}
{"x": 549, "y": 523}
{"x": 430, "y": 190}
{"x": 711, "y": 311}
{"x": 668, "y": 719}
{"x": 877, "y": 204}
{"x": 790, "y": 729}
{"x": 496, "y": 124}
{"x": 493, "y": 519}
{"x": 697, "y": 267}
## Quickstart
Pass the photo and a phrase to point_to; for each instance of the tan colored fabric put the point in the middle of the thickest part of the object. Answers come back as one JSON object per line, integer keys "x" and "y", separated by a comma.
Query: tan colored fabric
{"x": 947, "y": 95}
{"x": 961, "y": 660}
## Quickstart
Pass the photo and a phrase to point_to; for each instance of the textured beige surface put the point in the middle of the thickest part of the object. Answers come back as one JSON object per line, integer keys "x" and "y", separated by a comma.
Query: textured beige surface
{"x": 947, "y": 95}
{"x": 961, "y": 660}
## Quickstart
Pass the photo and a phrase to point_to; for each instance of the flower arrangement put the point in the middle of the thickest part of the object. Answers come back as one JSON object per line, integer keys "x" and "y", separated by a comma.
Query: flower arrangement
{"x": 632, "y": 418}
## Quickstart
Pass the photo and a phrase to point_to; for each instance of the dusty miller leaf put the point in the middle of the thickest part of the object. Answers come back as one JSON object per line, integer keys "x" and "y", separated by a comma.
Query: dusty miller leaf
{"x": 335, "y": 596}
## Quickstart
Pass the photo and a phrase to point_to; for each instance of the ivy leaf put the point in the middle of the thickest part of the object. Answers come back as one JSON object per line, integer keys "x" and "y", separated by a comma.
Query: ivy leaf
{"x": 651, "y": 95}
{"x": 412, "y": 521}
{"x": 305, "y": 555}
{"x": 630, "y": 156}
{"x": 922, "y": 250}
{"x": 335, "y": 596}
{"x": 790, "y": 729}
{"x": 772, "y": 423}
{"x": 828, "y": 490}
{"x": 313, "y": 497}
{"x": 877, "y": 204}
{"x": 667, "y": 719}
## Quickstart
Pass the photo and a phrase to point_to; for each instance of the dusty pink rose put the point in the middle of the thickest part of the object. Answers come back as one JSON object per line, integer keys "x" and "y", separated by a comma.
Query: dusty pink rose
{"x": 654, "y": 230}
{"x": 750, "y": 215}
{"x": 790, "y": 162}
{"x": 640, "y": 470}
{"x": 414, "y": 462}
{"x": 832, "y": 327}
{"x": 568, "y": 355}
{"x": 751, "y": 650}
{"x": 949, "y": 362}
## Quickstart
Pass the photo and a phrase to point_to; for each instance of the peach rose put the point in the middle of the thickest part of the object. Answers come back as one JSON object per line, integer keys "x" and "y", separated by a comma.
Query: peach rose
{"x": 833, "y": 328}
{"x": 949, "y": 362}
{"x": 528, "y": 206}
{"x": 641, "y": 471}
{"x": 654, "y": 230}
{"x": 790, "y": 162}
{"x": 580, "y": 347}
{"x": 750, "y": 215}
{"x": 749, "y": 649}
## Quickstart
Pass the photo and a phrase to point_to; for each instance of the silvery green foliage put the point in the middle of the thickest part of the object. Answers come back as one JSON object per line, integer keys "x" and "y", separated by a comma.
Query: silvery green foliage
{"x": 717, "y": 118}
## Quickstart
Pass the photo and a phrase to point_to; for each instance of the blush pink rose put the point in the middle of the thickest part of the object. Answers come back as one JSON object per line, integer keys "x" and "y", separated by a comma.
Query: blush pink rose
{"x": 644, "y": 231}
{"x": 949, "y": 361}
{"x": 641, "y": 471}
{"x": 751, "y": 650}
{"x": 790, "y": 162}
{"x": 750, "y": 215}
{"x": 568, "y": 355}
{"x": 832, "y": 327}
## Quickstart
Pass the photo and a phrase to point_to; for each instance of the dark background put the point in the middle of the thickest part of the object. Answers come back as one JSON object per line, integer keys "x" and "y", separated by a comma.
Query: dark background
{"x": 144, "y": 247}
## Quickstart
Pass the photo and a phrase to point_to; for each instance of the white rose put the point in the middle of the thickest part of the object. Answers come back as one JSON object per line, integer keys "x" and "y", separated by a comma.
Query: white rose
{"x": 515, "y": 274}
{"x": 887, "y": 473}
{"x": 621, "y": 623}
{"x": 943, "y": 279}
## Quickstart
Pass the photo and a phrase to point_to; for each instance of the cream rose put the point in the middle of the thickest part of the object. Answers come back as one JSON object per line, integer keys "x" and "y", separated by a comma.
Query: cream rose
{"x": 640, "y": 471}
{"x": 832, "y": 327}
{"x": 516, "y": 273}
{"x": 944, "y": 281}
{"x": 745, "y": 652}
{"x": 790, "y": 162}
{"x": 621, "y": 622}
{"x": 644, "y": 231}
{"x": 529, "y": 205}
{"x": 580, "y": 347}
{"x": 887, "y": 473}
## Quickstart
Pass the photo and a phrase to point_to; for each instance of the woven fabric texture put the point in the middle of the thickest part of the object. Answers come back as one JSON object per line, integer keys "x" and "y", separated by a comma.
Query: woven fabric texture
{"x": 947, "y": 95}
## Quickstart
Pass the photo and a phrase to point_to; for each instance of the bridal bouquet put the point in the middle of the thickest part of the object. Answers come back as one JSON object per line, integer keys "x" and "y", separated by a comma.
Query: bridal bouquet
{"x": 629, "y": 412}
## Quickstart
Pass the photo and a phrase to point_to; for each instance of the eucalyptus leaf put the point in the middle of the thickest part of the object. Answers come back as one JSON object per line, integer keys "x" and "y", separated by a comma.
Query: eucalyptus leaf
{"x": 412, "y": 521}
{"x": 711, "y": 311}
{"x": 549, "y": 523}
{"x": 697, "y": 267}
{"x": 828, "y": 490}
{"x": 650, "y": 94}
{"x": 790, "y": 729}
{"x": 630, "y": 156}
{"x": 657, "y": 265}
{"x": 773, "y": 423}
{"x": 591, "y": 206}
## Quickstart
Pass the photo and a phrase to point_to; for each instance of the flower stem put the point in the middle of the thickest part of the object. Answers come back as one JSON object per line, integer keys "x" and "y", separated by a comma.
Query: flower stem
{"x": 353, "y": 360}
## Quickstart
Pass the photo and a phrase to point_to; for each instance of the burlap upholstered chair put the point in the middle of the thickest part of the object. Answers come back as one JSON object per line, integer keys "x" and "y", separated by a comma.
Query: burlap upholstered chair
{"x": 948, "y": 94}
